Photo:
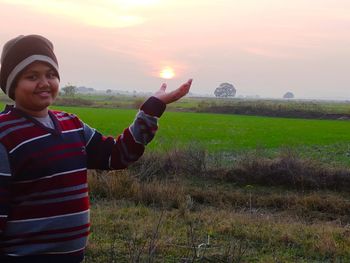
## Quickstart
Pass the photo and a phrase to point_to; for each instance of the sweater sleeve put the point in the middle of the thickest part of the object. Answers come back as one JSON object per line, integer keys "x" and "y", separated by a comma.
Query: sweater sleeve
{"x": 117, "y": 153}
{"x": 5, "y": 178}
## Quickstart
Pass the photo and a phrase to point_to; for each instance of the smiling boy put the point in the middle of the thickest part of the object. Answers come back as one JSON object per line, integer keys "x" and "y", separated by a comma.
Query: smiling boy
{"x": 45, "y": 154}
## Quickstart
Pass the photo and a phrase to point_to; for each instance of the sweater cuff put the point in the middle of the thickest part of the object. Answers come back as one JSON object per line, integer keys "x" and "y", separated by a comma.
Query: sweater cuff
{"x": 153, "y": 106}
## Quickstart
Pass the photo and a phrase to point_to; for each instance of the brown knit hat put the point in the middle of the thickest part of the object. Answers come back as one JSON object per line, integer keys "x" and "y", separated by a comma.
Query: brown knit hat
{"x": 20, "y": 52}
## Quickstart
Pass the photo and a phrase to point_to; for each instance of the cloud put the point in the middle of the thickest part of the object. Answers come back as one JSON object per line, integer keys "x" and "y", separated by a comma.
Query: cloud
{"x": 107, "y": 14}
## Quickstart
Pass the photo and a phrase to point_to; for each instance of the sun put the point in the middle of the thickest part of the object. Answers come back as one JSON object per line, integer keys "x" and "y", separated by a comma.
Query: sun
{"x": 167, "y": 73}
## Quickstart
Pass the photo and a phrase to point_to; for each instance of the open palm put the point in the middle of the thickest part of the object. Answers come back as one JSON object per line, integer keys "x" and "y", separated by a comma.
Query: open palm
{"x": 169, "y": 97}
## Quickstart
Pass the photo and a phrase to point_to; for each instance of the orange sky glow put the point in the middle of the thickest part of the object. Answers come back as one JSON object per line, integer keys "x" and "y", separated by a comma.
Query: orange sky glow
{"x": 264, "y": 48}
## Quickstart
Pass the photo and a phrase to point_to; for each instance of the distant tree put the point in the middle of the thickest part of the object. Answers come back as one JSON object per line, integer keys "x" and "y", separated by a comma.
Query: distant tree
{"x": 288, "y": 95}
{"x": 83, "y": 89}
{"x": 109, "y": 91}
{"x": 225, "y": 90}
{"x": 69, "y": 90}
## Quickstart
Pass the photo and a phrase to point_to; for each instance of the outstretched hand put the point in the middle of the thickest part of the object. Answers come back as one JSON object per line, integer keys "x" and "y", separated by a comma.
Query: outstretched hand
{"x": 173, "y": 95}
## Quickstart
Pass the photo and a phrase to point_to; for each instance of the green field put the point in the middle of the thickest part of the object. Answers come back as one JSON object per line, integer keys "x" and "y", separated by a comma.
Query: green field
{"x": 328, "y": 139}
{"x": 323, "y": 139}
{"x": 223, "y": 132}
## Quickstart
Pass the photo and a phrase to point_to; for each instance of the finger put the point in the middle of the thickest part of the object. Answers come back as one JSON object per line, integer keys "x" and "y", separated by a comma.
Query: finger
{"x": 186, "y": 86}
{"x": 182, "y": 91}
{"x": 163, "y": 87}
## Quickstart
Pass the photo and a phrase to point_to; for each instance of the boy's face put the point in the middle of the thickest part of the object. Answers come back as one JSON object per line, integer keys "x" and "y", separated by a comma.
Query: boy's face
{"x": 36, "y": 89}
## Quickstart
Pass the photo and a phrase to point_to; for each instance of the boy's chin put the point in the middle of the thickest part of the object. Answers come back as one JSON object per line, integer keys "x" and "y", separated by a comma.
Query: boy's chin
{"x": 46, "y": 103}
{"x": 41, "y": 107}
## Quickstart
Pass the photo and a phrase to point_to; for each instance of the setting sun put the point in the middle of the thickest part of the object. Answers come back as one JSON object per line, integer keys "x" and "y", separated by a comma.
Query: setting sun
{"x": 167, "y": 73}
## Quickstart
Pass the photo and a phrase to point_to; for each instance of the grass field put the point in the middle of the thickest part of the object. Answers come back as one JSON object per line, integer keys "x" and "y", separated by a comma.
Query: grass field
{"x": 223, "y": 132}
{"x": 166, "y": 205}
{"x": 325, "y": 140}
{"x": 321, "y": 139}
{"x": 168, "y": 220}
{"x": 220, "y": 132}
{"x": 124, "y": 233}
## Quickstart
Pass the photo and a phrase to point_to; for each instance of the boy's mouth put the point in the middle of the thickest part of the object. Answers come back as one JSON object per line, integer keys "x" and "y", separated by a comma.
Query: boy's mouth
{"x": 43, "y": 93}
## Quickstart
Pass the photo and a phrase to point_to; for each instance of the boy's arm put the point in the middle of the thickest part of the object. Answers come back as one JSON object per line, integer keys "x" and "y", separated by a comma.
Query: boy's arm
{"x": 5, "y": 178}
{"x": 109, "y": 153}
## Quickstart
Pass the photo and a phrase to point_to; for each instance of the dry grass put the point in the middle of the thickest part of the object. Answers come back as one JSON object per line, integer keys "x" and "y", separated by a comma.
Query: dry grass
{"x": 163, "y": 208}
{"x": 286, "y": 183}
{"x": 287, "y": 169}
{"x": 121, "y": 185}
{"x": 121, "y": 230}
{"x": 290, "y": 171}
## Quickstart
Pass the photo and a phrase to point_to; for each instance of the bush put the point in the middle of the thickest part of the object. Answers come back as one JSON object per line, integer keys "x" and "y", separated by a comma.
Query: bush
{"x": 307, "y": 110}
{"x": 177, "y": 162}
{"x": 73, "y": 102}
{"x": 286, "y": 170}
{"x": 290, "y": 171}
{"x": 168, "y": 180}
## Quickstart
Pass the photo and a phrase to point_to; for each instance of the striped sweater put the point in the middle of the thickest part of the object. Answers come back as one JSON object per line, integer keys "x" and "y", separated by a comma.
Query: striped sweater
{"x": 44, "y": 204}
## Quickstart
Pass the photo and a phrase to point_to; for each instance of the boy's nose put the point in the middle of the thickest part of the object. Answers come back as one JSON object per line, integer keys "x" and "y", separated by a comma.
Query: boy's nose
{"x": 44, "y": 82}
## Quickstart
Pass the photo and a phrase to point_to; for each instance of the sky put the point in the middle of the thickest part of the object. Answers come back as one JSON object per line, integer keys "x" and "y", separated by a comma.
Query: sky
{"x": 262, "y": 47}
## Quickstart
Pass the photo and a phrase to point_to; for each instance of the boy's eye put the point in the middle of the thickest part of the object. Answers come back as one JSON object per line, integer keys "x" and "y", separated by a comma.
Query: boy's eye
{"x": 51, "y": 75}
{"x": 31, "y": 77}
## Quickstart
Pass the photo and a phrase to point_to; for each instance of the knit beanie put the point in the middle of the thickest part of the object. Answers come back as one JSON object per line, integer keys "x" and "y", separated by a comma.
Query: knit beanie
{"x": 20, "y": 52}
